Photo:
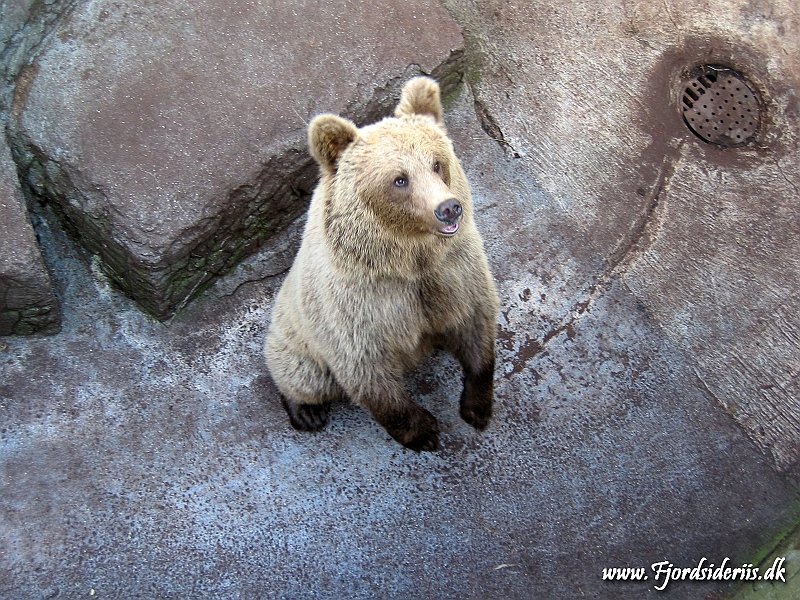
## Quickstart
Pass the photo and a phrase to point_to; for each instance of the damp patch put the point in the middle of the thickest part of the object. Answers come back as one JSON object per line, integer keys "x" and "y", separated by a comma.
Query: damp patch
{"x": 721, "y": 107}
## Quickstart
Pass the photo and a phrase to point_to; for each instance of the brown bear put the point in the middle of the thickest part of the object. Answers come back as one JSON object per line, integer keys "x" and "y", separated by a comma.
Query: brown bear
{"x": 390, "y": 267}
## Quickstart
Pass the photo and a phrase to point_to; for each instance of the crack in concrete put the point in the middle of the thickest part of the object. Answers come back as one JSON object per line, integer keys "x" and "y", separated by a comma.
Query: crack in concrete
{"x": 786, "y": 177}
{"x": 729, "y": 408}
{"x": 489, "y": 125}
{"x": 624, "y": 255}
{"x": 256, "y": 280}
{"x": 630, "y": 247}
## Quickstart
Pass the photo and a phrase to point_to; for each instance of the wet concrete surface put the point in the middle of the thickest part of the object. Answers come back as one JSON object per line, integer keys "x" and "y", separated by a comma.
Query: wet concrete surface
{"x": 149, "y": 460}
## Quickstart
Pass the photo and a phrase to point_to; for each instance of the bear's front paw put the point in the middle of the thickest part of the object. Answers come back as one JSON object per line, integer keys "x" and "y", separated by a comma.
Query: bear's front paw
{"x": 477, "y": 415}
{"x": 306, "y": 417}
{"x": 421, "y": 433}
{"x": 476, "y": 399}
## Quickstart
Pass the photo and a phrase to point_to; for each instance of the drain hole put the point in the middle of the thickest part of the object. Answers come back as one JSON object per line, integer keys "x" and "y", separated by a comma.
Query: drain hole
{"x": 730, "y": 123}
{"x": 705, "y": 81}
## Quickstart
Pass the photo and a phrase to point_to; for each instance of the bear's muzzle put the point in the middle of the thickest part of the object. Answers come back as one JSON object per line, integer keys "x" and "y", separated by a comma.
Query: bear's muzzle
{"x": 449, "y": 213}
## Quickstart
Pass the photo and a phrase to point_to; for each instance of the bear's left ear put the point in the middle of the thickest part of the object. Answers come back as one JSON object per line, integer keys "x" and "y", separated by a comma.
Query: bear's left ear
{"x": 420, "y": 97}
{"x": 328, "y": 136}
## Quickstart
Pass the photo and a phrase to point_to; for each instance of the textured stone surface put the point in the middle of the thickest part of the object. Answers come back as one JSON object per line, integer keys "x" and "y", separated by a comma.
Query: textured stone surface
{"x": 24, "y": 24}
{"x": 140, "y": 459}
{"x": 160, "y": 456}
{"x": 171, "y": 136}
{"x": 587, "y": 98}
{"x": 13, "y": 15}
{"x": 27, "y": 301}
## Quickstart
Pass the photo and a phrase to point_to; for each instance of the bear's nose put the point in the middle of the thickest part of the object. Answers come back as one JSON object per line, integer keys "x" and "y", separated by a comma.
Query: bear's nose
{"x": 448, "y": 211}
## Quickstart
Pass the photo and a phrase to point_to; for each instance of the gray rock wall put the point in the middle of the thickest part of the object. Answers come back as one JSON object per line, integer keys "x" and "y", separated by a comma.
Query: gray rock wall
{"x": 171, "y": 137}
{"x": 27, "y": 301}
{"x": 24, "y": 26}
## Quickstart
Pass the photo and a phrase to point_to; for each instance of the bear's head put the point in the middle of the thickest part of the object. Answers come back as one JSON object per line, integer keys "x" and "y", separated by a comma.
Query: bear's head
{"x": 399, "y": 175}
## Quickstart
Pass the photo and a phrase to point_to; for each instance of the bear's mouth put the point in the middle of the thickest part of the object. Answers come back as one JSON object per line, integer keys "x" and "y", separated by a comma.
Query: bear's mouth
{"x": 449, "y": 229}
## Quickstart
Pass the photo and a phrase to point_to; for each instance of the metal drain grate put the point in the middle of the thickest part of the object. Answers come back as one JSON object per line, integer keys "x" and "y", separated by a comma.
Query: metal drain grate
{"x": 721, "y": 107}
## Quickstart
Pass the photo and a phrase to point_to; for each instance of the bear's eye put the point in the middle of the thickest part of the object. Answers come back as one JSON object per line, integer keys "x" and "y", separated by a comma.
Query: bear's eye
{"x": 437, "y": 167}
{"x": 401, "y": 182}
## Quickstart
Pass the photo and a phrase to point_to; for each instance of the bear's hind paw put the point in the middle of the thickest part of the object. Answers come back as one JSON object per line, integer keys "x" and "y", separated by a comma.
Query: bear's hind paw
{"x": 422, "y": 435}
{"x": 427, "y": 444}
{"x": 307, "y": 417}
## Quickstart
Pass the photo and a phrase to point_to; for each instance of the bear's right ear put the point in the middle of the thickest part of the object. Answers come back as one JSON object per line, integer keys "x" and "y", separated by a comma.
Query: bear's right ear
{"x": 420, "y": 96}
{"x": 328, "y": 136}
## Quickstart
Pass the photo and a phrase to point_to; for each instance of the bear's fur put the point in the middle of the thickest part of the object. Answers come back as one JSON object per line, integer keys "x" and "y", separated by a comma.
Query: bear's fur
{"x": 391, "y": 266}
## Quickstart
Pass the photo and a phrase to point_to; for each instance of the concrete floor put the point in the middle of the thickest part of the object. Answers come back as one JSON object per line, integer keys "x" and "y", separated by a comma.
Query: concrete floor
{"x": 149, "y": 460}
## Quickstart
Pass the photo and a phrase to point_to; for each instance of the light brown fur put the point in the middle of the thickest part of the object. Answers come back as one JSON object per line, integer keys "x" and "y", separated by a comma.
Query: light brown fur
{"x": 376, "y": 284}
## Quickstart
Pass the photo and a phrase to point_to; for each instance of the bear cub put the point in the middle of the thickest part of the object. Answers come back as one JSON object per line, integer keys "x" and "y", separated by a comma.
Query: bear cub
{"x": 390, "y": 267}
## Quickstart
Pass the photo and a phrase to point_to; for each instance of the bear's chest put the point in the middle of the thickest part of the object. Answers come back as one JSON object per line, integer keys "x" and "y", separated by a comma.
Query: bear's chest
{"x": 442, "y": 301}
